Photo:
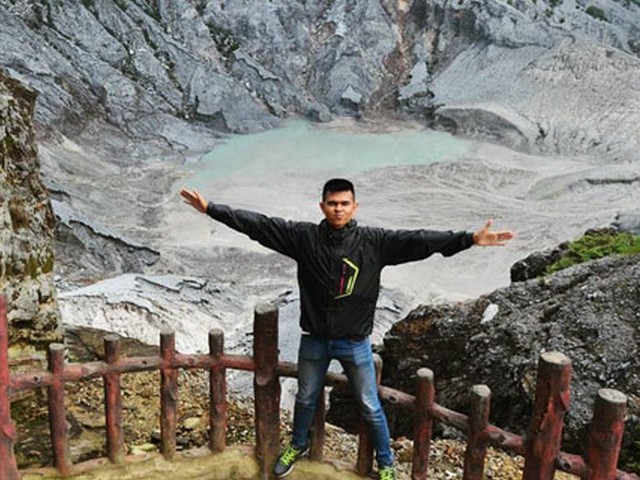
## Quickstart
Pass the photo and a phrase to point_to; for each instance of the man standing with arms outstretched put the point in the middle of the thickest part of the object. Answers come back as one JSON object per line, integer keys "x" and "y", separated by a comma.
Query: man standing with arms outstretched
{"x": 339, "y": 267}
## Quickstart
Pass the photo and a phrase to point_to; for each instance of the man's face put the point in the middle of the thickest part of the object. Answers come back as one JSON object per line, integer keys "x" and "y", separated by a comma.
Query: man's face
{"x": 339, "y": 208}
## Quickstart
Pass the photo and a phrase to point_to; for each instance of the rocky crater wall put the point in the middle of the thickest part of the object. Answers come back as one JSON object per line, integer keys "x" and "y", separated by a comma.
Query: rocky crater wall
{"x": 26, "y": 226}
{"x": 558, "y": 76}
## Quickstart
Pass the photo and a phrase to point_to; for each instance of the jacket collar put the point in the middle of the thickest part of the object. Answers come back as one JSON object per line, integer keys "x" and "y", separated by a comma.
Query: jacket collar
{"x": 338, "y": 234}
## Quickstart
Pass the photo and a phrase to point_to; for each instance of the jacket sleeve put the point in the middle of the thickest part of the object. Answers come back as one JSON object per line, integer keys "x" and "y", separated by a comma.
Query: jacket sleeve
{"x": 274, "y": 233}
{"x": 400, "y": 246}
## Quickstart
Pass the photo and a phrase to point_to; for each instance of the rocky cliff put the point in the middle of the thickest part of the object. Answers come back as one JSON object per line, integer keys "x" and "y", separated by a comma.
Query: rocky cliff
{"x": 533, "y": 74}
{"x": 537, "y": 75}
{"x": 26, "y": 226}
{"x": 588, "y": 311}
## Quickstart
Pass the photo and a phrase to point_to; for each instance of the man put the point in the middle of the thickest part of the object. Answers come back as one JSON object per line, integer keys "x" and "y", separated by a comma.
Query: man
{"x": 339, "y": 266}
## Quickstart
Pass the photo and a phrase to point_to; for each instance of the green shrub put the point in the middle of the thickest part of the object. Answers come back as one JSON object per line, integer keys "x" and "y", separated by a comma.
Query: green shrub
{"x": 592, "y": 246}
{"x": 596, "y": 12}
{"x": 226, "y": 42}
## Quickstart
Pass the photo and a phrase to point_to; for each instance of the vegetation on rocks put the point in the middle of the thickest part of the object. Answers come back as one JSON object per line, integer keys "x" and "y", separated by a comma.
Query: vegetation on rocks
{"x": 596, "y": 12}
{"x": 596, "y": 244}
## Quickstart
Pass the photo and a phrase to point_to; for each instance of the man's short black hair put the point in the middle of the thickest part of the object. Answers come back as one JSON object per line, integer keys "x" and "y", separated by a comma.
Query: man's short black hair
{"x": 338, "y": 185}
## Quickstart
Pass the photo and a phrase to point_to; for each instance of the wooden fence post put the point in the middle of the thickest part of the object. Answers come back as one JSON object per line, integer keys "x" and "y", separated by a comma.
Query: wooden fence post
{"x": 317, "y": 430}
{"x": 217, "y": 394}
{"x": 542, "y": 443}
{"x": 113, "y": 401}
{"x": 168, "y": 394}
{"x": 477, "y": 436}
{"x": 605, "y": 436}
{"x": 57, "y": 418}
{"x": 266, "y": 387}
{"x": 364, "y": 462}
{"x": 8, "y": 466}
{"x": 425, "y": 394}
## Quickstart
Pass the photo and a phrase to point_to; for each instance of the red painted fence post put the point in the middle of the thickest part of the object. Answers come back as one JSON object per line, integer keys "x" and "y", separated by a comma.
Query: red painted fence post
{"x": 168, "y": 394}
{"x": 425, "y": 394}
{"x": 113, "y": 401}
{"x": 317, "y": 430}
{"x": 542, "y": 443}
{"x": 605, "y": 436}
{"x": 8, "y": 466}
{"x": 217, "y": 394}
{"x": 477, "y": 437}
{"x": 266, "y": 387}
{"x": 57, "y": 416}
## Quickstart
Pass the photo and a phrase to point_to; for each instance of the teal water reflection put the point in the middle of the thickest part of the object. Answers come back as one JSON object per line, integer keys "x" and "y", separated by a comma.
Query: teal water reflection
{"x": 300, "y": 148}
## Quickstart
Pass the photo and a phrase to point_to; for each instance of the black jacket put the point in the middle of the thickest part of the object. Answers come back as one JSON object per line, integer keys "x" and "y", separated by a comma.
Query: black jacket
{"x": 339, "y": 270}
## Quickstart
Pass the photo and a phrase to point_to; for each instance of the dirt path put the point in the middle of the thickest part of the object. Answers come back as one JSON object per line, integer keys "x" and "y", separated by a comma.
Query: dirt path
{"x": 235, "y": 463}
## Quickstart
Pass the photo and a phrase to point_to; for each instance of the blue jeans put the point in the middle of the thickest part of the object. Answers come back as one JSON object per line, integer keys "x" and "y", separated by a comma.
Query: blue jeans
{"x": 356, "y": 358}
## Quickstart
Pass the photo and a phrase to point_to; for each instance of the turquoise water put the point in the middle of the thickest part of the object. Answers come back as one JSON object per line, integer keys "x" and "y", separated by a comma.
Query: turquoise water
{"x": 300, "y": 148}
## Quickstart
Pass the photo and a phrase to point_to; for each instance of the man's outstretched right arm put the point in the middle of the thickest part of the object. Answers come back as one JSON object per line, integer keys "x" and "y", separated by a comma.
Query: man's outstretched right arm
{"x": 274, "y": 233}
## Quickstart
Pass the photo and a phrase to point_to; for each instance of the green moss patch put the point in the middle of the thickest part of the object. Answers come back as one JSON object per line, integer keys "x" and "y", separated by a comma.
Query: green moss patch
{"x": 596, "y": 13}
{"x": 594, "y": 245}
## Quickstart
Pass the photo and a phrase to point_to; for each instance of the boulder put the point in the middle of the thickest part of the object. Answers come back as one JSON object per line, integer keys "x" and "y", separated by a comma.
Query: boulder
{"x": 588, "y": 311}
{"x": 628, "y": 222}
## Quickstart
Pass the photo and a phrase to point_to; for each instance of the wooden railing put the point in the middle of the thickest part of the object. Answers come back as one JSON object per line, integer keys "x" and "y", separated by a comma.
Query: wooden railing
{"x": 540, "y": 446}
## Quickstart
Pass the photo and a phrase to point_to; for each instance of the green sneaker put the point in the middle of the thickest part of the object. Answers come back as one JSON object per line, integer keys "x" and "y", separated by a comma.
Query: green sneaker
{"x": 387, "y": 473}
{"x": 287, "y": 458}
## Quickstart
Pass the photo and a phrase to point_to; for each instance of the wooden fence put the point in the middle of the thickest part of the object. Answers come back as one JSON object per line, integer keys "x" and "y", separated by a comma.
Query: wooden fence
{"x": 540, "y": 446}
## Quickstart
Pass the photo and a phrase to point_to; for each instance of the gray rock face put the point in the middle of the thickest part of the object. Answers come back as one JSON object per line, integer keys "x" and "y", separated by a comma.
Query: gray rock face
{"x": 89, "y": 250}
{"x": 140, "y": 306}
{"x": 589, "y": 312}
{"x": 537, "y": 76}
{"x": 123, "y": 62}
{"x": 26, "y": 226}
{"x": 235, "y": 66}
{"x": 542, "y": 68}
{"x": 628, "y": 223}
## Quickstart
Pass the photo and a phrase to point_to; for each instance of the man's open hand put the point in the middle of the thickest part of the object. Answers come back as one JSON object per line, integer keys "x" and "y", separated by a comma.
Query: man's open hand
{"x": 194, "y": 199}
{"x": 486, "y": 238}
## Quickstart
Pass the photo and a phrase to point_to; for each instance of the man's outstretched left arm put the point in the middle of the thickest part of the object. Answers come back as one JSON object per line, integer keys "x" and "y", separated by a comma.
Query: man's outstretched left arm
{"x": 400, "y": 246}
